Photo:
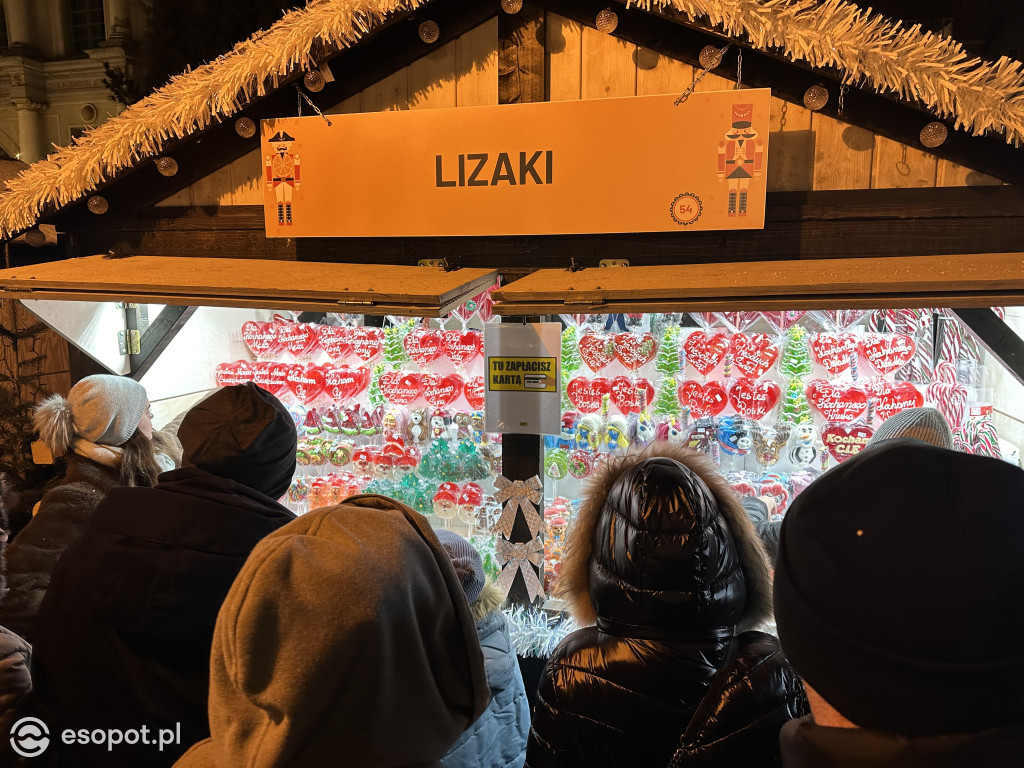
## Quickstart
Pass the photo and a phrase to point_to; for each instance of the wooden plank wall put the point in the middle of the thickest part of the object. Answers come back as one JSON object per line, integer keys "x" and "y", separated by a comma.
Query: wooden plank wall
{"x": 808, "y": 151}
{"x": 463, "y": 73}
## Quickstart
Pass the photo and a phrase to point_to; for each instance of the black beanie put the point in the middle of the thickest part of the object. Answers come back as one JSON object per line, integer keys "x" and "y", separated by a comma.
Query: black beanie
{"x": 899, "y": 590}
{"x": 242, "y": 433}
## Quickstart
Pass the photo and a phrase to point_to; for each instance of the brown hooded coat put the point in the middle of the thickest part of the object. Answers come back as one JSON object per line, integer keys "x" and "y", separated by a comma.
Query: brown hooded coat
{"x": 665, "y": 564}
{"x": 346, "y": 639}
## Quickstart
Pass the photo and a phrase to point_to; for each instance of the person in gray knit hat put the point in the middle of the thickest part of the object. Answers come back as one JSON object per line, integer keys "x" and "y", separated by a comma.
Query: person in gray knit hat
{"x": 925, "y": 424}
{"x": 104, "y": 431}
{"x": 497, "y": 739}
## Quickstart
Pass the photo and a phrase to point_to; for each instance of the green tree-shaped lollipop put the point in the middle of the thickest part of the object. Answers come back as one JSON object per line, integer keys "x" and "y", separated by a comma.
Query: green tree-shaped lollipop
{"x": 795, "y": 409}
{"x": 795, "y": 362}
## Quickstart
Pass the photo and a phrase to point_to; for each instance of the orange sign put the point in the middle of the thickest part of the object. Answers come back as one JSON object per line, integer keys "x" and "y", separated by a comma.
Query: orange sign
{"x": 637, "y": 164}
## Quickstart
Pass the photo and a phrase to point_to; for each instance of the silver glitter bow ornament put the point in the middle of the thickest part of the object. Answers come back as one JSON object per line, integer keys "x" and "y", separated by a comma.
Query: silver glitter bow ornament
{"x": 520, "y": 557}
{"x": 515, "y": 495}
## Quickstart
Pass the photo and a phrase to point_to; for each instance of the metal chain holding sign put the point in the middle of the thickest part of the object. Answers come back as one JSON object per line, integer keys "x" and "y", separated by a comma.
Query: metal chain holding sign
{"x": 710, "y": 58}
{"x": 302, "y": 96}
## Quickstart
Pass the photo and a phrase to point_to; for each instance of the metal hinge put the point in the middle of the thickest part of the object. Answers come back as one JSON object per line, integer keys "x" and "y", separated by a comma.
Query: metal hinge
{"x": 129, "y": 342}
{"x": 614, "y": 263}
{"x": 439, "y": 263}
{"x": 588, "y": 302}
{"x": 343, "y": 302}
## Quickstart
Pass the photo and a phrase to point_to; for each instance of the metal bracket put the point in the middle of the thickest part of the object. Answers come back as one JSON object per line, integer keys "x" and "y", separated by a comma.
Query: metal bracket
{"x": 614, "y": 263}
{"x": 129, "y": 342}
{"x": 438, "y": 263}
{"x": 157, "y": 336}
{"x": 997, "y": 337}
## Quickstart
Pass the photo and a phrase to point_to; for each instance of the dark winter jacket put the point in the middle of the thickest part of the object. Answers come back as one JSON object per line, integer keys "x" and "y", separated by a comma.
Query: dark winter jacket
{"x": 15, "y": 682}
{"x": 806, "y": 745}
{"x": 498, "y": 737}
{"x": 62, "y": 516}
{"x": 665, "y": 563}
{"x": 123, "y": 636}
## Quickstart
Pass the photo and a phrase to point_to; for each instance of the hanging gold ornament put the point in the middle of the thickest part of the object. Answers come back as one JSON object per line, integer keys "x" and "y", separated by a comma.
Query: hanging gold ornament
{"x": 934, "y": 134}
{"x": 815, "y": 97}
{"x": 98, "y": 204}
{"x": 167, "y": 166}
{"x": 429, "y": 32}
{"x": 606, "y": 21}
{"x": 314, "y": 81}
{"x": 710, "y": 56}
{"x": 511, "y": 6}
{"x": 245, "y": 127}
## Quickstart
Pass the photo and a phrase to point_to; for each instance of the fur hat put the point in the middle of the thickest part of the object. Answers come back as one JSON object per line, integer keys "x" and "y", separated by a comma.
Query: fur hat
{"x": 466, "y": 561}
{"x": 655, "y": 577}
{"x": 898, "y": 591}
{"x": 926, "y": 424}
{"x": 242, "y": 433}
{"x": 101, "y": 409}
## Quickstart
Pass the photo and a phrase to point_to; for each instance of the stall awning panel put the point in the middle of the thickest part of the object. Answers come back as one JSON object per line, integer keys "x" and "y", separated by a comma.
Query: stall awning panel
{"x": 378, "y": 289}
{"x": 972, "y": 280}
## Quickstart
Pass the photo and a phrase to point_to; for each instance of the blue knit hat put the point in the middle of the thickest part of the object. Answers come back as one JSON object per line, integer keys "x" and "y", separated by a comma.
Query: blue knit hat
{"x": 466, "y": 561}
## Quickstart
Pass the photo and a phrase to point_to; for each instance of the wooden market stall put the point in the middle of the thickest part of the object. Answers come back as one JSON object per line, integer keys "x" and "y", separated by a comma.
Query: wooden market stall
{"x": 885, "y": 186}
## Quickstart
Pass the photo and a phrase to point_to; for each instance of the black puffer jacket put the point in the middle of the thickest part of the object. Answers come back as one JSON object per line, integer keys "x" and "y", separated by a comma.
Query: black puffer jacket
{"x": 666, "y": 564}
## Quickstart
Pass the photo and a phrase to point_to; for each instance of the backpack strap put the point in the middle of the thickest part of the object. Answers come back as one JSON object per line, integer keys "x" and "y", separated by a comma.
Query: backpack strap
{"x": 707, "y": 704}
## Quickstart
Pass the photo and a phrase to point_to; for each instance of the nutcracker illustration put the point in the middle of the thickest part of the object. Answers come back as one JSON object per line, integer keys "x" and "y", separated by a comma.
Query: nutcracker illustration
{"x": 740, "y": 157}
{"x": 282, "y": 175}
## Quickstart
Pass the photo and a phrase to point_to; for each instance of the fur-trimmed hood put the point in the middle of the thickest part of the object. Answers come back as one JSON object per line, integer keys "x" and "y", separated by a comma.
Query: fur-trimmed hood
{"x": 662, "y": 542}
{"x": 490, "y": 600}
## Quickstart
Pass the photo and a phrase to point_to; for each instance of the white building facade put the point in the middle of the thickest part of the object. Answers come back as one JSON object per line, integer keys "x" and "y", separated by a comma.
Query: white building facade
{"x": 51, "y": 69}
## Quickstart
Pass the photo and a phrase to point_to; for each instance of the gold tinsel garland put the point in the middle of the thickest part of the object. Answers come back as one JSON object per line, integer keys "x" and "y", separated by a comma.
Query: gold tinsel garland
{"x": 869, "y": 48}
{"x": 872, "y": 50}
{"x": 188, "y": 103}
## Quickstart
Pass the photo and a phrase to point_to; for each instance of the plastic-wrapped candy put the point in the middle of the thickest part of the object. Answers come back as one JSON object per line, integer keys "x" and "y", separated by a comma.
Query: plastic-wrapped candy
{"x": 556, "y": 463}
{"x": 298, "y": 491}
{"x": 642, "y": 429}
{"x": 616, "y": 434}
{"x": 471, "y": 465}
{"x": 298, "y": 414}
{"x": 446, "y": 501}
{"x": 340, "y": 454}
{"x": 588, "y": 432}
{"x": 471, "y": 496}
{"x": 567, "y": 431}
{"x": 735, "y": 436}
